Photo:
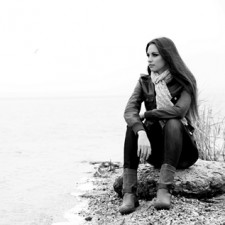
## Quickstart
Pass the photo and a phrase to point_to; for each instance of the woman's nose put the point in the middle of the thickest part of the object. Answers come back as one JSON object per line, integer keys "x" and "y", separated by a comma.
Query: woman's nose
{"x": 149, "y": 59}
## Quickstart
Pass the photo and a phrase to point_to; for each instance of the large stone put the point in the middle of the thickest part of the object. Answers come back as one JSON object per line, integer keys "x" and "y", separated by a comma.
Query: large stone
{"x": 205, "y": 179}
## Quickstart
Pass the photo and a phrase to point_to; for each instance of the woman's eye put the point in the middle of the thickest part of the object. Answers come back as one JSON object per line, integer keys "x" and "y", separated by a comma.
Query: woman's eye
{"x": 154, "y": 54}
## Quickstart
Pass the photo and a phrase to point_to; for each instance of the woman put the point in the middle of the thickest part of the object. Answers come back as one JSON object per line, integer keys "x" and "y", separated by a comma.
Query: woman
{"x": 164, "y": 139}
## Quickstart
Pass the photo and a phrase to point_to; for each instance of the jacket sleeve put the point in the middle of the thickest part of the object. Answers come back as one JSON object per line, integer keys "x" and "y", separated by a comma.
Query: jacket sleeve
{"x": 179, "y": 110}
{"x": 132, "y": 110}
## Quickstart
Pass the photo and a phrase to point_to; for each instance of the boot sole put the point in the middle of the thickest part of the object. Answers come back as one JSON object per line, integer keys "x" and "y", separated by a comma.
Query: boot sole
{"x": 160, "y": 207}
{"x": 130, "y": 210}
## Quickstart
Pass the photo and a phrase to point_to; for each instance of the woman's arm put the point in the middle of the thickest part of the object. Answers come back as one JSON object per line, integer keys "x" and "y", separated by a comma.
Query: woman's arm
{"x": 179, "y": 110}
{"x": 131, "y": 114}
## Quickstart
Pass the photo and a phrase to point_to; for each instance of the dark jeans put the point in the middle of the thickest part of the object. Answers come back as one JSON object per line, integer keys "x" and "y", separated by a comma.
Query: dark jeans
{"x": 170, "y": 144}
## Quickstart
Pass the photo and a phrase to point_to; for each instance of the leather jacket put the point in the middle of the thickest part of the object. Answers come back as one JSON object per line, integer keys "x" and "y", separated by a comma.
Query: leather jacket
{"x": 144, "y": 92}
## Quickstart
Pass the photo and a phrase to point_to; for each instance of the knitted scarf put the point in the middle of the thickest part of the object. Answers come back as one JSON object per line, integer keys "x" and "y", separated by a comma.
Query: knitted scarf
{"x": 163, "y": 96}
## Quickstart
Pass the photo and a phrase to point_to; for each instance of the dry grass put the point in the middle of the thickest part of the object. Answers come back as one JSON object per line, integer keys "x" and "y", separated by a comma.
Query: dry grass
{"x": 210, "y": 136}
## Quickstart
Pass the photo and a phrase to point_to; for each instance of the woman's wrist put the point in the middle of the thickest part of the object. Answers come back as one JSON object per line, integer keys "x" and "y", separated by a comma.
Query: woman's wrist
{"x": 141, "y": 133}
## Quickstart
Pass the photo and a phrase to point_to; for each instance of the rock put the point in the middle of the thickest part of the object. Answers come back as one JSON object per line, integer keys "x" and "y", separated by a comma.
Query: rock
{"x": 105, "y": 167}
{"x": 205, "y": 179}
{"x": 89, "y": 218}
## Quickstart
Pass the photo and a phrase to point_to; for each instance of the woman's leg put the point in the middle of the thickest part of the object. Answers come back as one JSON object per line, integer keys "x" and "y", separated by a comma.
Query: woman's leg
{"x": 173, "y": 143}
{"x": 131, "y": 162}
{"x": 156, "y": 138}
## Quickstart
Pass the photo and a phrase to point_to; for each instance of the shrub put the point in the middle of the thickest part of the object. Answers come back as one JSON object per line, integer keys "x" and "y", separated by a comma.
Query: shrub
{"x": 210, "y": 136}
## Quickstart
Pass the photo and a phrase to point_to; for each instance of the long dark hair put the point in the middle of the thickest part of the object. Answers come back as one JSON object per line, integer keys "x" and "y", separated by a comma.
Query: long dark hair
{"x": 178, "y": 69}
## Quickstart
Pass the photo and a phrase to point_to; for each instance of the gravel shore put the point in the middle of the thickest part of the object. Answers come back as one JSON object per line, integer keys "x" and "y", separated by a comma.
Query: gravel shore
{"x": 104, "y": 203}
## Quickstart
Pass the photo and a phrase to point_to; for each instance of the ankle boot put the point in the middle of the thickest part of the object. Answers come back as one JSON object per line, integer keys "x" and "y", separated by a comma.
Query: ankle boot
{"x": 163, "y": 199}
{"x": 130, "y": 201}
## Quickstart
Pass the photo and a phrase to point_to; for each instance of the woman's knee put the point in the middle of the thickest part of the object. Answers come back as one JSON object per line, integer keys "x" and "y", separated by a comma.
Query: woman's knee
{"x": 173, "y": 125}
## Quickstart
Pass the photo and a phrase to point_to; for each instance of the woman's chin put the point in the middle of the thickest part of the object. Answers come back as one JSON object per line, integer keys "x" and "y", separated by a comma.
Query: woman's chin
{"x": 152, "y": 70}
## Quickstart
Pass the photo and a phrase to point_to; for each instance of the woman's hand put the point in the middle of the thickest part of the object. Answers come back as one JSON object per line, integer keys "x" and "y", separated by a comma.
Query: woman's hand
{"x": 144, "y": 148}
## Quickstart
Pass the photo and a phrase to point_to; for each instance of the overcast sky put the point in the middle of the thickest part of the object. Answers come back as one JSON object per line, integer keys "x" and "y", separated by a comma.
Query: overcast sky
{"x": 70, "y": 47}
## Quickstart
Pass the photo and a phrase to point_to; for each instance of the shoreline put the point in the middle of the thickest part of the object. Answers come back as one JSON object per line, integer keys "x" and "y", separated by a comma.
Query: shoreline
{"x": 84, "y": 187}
{"x": 72, "y": 216}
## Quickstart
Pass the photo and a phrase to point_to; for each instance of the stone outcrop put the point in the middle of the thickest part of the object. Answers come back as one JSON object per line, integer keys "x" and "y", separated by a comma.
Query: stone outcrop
{"x": 205, "y": 179}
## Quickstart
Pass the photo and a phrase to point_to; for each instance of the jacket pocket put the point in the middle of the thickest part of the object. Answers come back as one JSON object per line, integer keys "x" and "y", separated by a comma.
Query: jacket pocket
{"x": 149, "y": 98}
{"x": 149, "y": 101}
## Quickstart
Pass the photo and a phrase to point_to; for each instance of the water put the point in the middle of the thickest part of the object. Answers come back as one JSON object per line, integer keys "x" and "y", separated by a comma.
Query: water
{"x": 45, "y": 145}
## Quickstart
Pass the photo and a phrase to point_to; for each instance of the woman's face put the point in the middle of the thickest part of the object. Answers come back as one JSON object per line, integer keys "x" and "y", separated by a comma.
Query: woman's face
{"x": 156, "y": 62}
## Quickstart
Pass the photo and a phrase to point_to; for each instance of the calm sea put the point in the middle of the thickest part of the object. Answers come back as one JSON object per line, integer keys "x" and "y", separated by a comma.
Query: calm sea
{"x": 45, "y": 147}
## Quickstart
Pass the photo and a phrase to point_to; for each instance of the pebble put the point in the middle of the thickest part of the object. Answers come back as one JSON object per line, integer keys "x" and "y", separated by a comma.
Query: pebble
{"x": 103, "y": 209}
{"x": 89, "y": 218}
